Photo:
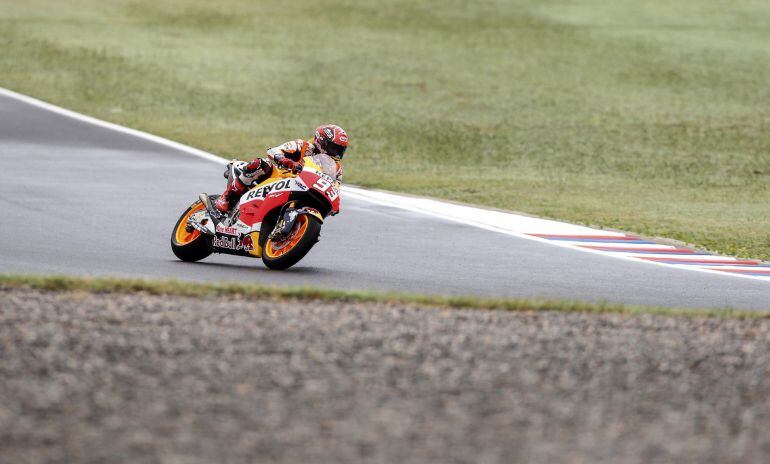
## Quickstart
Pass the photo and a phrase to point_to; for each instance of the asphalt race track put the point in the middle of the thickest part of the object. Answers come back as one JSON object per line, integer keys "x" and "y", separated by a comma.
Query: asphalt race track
{"x": 80, "y": 199}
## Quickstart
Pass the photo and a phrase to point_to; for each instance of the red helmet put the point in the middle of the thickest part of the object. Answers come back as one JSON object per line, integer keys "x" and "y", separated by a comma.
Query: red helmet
{"x": 332, "y": 140}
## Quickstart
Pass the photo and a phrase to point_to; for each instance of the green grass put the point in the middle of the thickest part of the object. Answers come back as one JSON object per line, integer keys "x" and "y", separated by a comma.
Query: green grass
{"x": 200, "y": 290}
{"x": 651, "y": 116}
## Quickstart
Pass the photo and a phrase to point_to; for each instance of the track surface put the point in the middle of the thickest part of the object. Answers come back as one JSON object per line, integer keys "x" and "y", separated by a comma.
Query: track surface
{"x": 85, "y": 200}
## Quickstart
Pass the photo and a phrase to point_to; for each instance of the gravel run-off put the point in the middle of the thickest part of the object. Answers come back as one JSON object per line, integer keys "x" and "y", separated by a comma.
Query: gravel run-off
{"x": 139, "y": 378}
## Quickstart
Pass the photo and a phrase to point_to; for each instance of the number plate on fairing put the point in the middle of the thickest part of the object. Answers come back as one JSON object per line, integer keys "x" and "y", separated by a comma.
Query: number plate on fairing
{"x": 325, "y": 184}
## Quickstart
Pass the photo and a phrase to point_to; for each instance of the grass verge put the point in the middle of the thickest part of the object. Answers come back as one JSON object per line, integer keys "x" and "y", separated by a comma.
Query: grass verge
{"x": 189, "y": 289}
{"x": 649, "y": 116}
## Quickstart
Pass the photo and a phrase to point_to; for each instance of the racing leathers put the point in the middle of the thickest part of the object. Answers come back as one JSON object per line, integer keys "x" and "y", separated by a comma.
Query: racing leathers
{"x": 288, "y": 155}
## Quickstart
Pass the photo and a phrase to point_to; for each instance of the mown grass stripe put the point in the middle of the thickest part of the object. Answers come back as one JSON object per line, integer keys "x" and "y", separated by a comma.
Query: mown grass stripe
{"x": 61, "y": 283}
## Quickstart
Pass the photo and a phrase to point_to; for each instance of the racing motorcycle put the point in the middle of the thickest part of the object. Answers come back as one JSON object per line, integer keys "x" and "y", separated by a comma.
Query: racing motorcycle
{"x": 279, "y": 220}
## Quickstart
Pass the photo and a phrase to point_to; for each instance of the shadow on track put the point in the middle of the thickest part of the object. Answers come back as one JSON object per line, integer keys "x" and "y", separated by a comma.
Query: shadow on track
{"x": 261, "y": 269}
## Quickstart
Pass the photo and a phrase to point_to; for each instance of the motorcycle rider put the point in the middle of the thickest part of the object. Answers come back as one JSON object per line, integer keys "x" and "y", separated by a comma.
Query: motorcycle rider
{"x": 329, "y": 139}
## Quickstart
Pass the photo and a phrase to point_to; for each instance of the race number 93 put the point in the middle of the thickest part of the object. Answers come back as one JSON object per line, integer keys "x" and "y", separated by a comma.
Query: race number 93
{"x": 322, "y": 184}
{"x": 325, "y": 185}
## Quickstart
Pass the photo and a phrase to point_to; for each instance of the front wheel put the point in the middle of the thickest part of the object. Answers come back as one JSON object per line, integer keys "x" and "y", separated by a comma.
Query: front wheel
{"x": 286, "y": 253}
{"x": 190, "y": 245}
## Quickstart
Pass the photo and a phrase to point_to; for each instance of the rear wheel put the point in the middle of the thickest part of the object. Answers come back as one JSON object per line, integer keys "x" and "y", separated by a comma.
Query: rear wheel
{"x": 190, "y": 245}
{"x": 286, "y": 253}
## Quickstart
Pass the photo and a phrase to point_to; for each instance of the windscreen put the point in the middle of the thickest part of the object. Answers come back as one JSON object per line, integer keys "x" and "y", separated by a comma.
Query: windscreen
{"x": 327, "y": 164}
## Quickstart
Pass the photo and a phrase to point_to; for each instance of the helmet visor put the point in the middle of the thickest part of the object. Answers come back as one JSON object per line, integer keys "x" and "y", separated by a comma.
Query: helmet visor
{"x": 334, "y": 150}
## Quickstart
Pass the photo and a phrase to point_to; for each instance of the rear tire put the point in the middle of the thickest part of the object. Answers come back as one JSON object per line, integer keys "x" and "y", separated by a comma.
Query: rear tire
{"x": 299, "y": 250}
{"x": 193, "y": 246}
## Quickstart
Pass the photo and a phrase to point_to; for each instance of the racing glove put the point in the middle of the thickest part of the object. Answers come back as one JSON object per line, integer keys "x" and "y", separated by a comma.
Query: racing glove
{"x": 286, "y": 163}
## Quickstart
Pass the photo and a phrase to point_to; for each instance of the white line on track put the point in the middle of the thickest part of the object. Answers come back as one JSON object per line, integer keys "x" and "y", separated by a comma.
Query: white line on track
{"x": 507, "y": 223}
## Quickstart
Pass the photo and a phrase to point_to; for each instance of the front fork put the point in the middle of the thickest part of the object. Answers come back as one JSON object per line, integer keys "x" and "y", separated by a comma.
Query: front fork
{"x": 286, "y": 219}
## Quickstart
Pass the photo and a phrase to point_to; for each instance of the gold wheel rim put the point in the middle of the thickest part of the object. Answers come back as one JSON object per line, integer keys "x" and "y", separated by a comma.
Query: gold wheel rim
{"x": 181, "y": 235}
{"x": 278, "y": 249}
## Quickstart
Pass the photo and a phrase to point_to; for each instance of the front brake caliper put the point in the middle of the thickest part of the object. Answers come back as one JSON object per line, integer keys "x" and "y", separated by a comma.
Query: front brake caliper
{"x": 284, "y": 225}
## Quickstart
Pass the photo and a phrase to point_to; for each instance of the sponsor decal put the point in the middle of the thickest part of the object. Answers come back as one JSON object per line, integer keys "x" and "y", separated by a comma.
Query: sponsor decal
{"x": 227, "y": 230}
{"x": 300, "y": 184}
{"x": 329, "y": 133}
{"x": 343, "y": 138}
{"x": 232, "y": 243}
{"x": 247, "y": 243}
{"x": 262, "y": 192}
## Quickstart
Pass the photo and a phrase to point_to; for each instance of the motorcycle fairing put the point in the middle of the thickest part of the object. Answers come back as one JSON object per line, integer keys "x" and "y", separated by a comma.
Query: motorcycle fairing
{"x": 243, "y": 237}
{"x": 275, "y": 191}
{"x": 260, "y": 200}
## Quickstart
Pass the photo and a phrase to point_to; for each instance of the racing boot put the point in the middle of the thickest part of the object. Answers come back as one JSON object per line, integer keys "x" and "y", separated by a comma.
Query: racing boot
{"x": 239, "y": 175}
{"x": 235, "y": 188}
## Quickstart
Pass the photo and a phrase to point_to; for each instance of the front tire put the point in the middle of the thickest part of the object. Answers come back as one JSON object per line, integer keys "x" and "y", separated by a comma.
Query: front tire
{"x": 286, "y": 253}
{"x": 190, "y": 246}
